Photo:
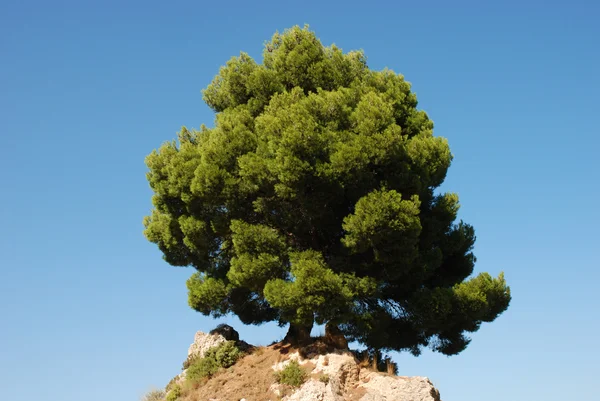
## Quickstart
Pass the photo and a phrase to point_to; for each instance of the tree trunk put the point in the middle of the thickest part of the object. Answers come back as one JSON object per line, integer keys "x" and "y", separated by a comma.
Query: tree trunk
{"x": 375, "y": 360}
{"x": 298, "y": 334}
{"x": 391, "y": 366}
{"x": 334, "y": 337}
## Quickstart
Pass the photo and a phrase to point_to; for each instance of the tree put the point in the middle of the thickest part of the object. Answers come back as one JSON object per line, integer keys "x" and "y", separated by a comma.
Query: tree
{"x": 313, "y": 199}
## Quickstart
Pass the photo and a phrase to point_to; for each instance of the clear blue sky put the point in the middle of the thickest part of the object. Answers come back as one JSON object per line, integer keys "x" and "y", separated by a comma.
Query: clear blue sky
{"x": 88, "y": 309}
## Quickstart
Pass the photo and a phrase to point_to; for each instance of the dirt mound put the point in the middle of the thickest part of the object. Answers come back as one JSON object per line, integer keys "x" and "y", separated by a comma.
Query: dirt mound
{"x": 328, "y": 375}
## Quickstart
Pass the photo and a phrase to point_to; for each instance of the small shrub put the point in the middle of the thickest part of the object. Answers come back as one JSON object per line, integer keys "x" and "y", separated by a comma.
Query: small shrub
{"x": 227, "y": 354}
{"x": 202, "y": 367}
{"x": 154, "y": 395}
{"x": 292, "y": 375}
{"x": 324, "y": 378}
{"x": 174, "y": 394}
{"x": 222, "y": 356}
{"x": 189, "y": 361}
{"x": 172, "y": 383}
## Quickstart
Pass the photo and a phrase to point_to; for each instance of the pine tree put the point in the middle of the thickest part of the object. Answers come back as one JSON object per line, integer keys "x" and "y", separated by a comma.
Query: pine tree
{"x": 313, "y": 199}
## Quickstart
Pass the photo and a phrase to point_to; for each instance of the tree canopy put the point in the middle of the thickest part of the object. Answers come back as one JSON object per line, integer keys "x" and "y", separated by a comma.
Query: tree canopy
{"x": 313, "y": 199}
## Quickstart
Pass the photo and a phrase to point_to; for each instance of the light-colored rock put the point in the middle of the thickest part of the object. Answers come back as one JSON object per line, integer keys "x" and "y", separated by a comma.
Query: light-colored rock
{"x": 347, "y": 378}
{"x": 203, "y": 342}
{"x": 292, "y": 357}
{"x": 397, "y": 388}
{"x": 275, "y": 389}
{"x": 312, "y": 390}
{"x": 342, "y": 370}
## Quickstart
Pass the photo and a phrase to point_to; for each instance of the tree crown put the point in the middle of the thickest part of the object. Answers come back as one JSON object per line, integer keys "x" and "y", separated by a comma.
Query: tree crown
{"x": 313, "y": 199}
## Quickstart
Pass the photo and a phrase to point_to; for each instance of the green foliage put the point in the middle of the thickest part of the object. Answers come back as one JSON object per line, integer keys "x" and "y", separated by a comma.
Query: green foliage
{"x": 314, "y": 199}
{"x": 189, "y": 361}
{"x": 225, "y": 355}
{"x": 387, "y": 225}
{"x": 172, "y": 383}
{"x": 324, "y": 378}
{"x": 292, "y": 374}
{"x": 221, "y": 356}
{"x": 316, "y": 291}
{"x": 201, "y": 368}
{"x": 154, "y": 395}
{"x": 174, "y": 394}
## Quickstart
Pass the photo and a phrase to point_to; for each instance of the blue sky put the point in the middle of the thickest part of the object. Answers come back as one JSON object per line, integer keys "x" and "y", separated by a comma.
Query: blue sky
{"x": 88, "y": 309}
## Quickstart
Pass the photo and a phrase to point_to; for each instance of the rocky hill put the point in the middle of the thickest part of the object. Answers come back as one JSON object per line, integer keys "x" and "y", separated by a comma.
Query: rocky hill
{"x": 220, "y": 367}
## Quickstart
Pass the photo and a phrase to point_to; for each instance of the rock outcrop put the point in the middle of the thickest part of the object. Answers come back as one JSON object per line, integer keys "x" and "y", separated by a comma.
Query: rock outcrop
{"x": 346, "y": 380}
{"x": 397, "y": 388}
{"x": 332, "y": 375}
{"x": 205, "y": 341}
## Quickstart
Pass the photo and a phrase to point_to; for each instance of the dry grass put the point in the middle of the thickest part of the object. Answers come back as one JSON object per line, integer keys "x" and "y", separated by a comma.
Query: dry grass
{"x": 249, "y": 378}
{"x": 252, "y": 376}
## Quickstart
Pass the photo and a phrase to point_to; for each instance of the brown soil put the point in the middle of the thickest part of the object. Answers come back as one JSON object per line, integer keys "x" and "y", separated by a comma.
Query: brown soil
{"x": 252, "y": 376}
{"x": 249, "y": 378}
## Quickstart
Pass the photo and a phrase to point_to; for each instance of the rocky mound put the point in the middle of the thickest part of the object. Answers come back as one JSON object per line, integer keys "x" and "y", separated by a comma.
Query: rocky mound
{"x": 327, "y": 375}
